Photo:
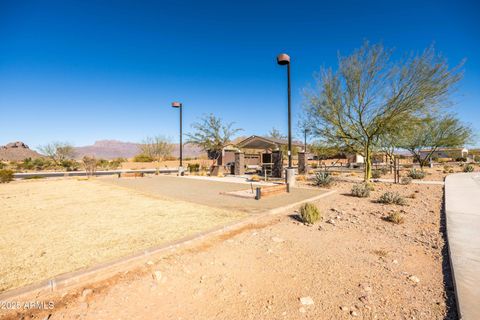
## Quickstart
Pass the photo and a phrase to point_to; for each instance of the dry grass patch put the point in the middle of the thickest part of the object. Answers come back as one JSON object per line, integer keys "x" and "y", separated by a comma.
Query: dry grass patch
{"x": 55, "y": 226}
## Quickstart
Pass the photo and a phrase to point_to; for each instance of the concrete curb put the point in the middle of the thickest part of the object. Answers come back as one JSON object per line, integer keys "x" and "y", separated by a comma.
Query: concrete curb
{"x": 107, "y": 270}
{"x": 462, "y": 215}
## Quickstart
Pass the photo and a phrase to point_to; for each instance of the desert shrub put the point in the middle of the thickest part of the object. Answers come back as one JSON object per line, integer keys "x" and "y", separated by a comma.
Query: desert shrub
{"x": 392, "y": 198}
{"x": 408, "y": 166}
{"x": 376, "y": 174}
{"x": 395, "y": 217}
{"x": 309, "y": 213}
{"x": 461, "y": 159}
{"x": 468, "y": 168}
{"x": 70, "y": 165}
{"x": 142, "y": 158}
{"x": 447, "y": 169}
{"x": 6, "y": 176}
{"x": 314, "y": 165}
{"x": 193, "y": 167}
{"x": 301, "y": 177}
{"x": 255, "y": 178}
{"x": 416, "y": 174}
{"x": 322, "y": 179}
{"x": 361, "y": 190}
{"x": 115, "y": 163}
{"x": 405, "y": 180}
{"x": 2, "y": 165}
{"x": 103, "y": 164}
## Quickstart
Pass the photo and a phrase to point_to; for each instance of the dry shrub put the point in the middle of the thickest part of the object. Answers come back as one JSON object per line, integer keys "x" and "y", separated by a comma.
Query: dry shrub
{"x": 6, "y": 176}
{"x": 361, "y": 190}
{"x": 392, "y": 198}
{"x": 395, "y": 217}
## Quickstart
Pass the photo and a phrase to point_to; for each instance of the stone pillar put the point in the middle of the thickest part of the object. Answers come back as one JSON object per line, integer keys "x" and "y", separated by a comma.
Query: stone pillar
{"x": 277, "y": 160}
{"x": 239, "y": 163}
{"x": 302, "y": 163}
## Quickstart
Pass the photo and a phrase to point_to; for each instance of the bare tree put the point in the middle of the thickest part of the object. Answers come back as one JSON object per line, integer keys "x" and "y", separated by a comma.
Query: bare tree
{"x": 157, "y": 148}
{"x": 425, "y": 136}
{"x": 358, "y": 103}
{"x": 90, "y": 165}
{"x": 212, "y": 135}
{"x": 275, "y": 133}
{"x": 58, "y": 151}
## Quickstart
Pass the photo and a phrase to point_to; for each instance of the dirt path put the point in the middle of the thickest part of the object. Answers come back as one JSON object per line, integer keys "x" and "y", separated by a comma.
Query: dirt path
{"x": 352, "y": 265}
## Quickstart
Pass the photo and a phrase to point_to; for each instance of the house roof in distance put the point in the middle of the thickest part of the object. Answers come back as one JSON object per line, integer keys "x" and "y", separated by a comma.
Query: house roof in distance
{"x": 260, "y": 142}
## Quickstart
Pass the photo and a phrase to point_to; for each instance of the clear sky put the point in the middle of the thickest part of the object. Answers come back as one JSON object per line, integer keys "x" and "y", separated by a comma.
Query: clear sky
{"x": 81, "y": 71}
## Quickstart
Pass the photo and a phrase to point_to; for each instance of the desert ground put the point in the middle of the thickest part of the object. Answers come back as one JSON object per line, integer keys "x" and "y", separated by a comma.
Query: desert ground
{"x": 353, "y": 264}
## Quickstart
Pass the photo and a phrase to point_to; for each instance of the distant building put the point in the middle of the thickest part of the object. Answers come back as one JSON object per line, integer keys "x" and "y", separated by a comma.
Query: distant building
{"x": 445, "y": 153}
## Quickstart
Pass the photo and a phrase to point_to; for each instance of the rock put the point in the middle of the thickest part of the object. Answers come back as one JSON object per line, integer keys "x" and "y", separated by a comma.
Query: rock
{"x": 414, "y": 279}
{"x": 302, "y": 310}
{"x": 277, "y": 239}
{"x": 394, "y": 261}
{"x": 157, "y": 275}
{"x": 344, "y": 308}
{"x": 353, "y": 313}
{"x": 150, "y": 263}
{"x": 331, "y": 221}
{"x": 86, "y": 292}
{"x": 306, "y": 301}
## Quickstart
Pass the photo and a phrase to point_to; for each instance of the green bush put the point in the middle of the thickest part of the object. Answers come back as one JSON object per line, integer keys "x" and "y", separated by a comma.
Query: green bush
{"x": 468, "y": 168}
{"x": 405, "y": 180}
{"x": 70, "y": 165}
{"x": 323, "y": 179}
{"x": 193, "y": 167}
{"x": 309, "y": 213}
{"x": 392, "y": 198}
{"x": 416, "y": 174}
{"x": 6, "y": 176}
{"x": 142, "y": 158}
{"x": 395, "y": 217}
{"x": 2, "y": 165}
{"x": 361, "y": 190}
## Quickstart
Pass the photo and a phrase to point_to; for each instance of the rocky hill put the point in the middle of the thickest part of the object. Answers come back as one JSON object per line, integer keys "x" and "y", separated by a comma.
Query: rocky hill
{"x": 111, "y": 149}
{"x": 17, "y": 151}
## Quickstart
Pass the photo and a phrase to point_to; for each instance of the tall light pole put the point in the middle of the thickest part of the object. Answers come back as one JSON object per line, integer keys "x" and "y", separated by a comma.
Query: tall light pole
{"x": 179, "y": 106}
{"x": 284, "y": 59}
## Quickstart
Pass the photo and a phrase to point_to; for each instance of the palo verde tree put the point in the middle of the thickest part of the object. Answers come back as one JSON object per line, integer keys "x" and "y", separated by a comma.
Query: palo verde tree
{"x": 431, "y": 133}
{"x": 369, "y": 92}
{"x": 211, "y": 134}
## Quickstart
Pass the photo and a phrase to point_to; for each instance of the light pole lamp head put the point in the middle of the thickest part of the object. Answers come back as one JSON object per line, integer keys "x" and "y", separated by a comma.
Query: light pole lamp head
{"x": 176, "y": 104}
{"x": 283, "y": 59}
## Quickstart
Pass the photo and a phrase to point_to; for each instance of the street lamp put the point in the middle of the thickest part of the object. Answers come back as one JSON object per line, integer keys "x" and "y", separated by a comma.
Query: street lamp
{"x": 179, "y": 106}
{"x": 284, "y": 59}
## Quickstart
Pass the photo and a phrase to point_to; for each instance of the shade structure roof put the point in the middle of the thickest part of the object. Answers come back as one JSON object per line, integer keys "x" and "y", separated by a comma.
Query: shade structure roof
{"x": 259, "y": 142}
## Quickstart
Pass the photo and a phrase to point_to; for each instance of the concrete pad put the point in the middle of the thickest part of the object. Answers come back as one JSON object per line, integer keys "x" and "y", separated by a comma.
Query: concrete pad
{"x": 462, "y": 205}
{"x": 211, "y": 193}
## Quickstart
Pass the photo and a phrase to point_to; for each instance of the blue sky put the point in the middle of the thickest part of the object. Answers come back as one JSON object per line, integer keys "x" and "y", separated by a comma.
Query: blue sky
{"x": 81, "y": 71}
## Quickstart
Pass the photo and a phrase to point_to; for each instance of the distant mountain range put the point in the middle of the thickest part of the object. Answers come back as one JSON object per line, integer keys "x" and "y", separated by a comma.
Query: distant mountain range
{"x": 102, "y": 149}
{"x": 111, "y": 149}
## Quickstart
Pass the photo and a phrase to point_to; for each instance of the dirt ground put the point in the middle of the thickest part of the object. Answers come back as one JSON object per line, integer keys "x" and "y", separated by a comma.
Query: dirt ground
{"x": 54, "y": 226}
{"x": 352, "y": 265}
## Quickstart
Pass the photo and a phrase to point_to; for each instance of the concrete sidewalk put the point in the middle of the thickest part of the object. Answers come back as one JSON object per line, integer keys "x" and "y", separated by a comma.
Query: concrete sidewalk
{"x": 462, "y": 206}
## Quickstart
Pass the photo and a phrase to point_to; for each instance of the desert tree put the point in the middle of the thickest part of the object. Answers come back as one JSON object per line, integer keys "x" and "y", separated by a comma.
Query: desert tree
{"x": 58, "y": 152}
{"x": 425, "y": 136}
{"x": 90, "y": 165}
{"x": 369, "y": 92}
{"x": 276, "y": 134}
{"x": 212, "y": 135}
{"x": 157, "y": 148}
